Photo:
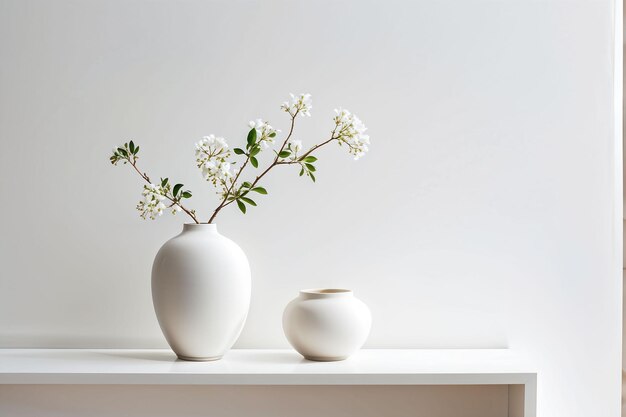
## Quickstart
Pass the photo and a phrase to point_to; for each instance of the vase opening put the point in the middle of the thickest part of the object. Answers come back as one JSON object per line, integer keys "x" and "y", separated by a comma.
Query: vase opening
{"x": 200, "y": 227}
{"x": 325, "y": 292}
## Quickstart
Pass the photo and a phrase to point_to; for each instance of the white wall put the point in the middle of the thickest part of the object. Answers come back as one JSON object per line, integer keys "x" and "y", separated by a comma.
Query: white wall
{"x": 486, "y": 215}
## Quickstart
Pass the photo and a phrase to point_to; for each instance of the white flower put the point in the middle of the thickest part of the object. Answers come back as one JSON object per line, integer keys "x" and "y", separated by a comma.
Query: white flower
{"x": 211, "y": 157}
{"x": 265, "y": 132}
{"x": 349, "y": 129}
{"x": 258, "y": 124}
{"x": 224, "y": 169}
{"x": 296, "y": 145}
{"x": 216, "y": 169}
{"x": 211, "y": 145}
{"x": 152, "y": 206}
{"x": 300, "y": 104}
{"x": 221, "y": 143}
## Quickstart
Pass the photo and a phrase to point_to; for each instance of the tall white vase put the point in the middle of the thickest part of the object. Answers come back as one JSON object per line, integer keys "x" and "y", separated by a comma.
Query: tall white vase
{"x": 201, "y": 292}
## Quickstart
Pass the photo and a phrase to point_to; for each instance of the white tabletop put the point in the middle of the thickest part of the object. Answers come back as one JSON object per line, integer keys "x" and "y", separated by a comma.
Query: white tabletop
{"x": 264, "y": 367}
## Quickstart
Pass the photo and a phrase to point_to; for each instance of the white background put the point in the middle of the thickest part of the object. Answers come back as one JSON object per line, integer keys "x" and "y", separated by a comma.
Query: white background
{"x": 487, "y": 213}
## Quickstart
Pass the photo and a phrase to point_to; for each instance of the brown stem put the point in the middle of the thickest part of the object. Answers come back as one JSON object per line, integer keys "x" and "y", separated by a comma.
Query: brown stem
{"x": 224, "y": 201}
{"x": 174, "y": 201}
{"x": 276, "y": 162}
{"x": 293, "y": 123}
{"x": 228, "y": 191}
{"x": 319, "y": 145}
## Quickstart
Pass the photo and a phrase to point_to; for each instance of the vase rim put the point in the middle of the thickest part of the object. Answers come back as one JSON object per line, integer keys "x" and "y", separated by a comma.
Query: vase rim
{"x": 200, "y": 227}
{"x": 325, "y": 292}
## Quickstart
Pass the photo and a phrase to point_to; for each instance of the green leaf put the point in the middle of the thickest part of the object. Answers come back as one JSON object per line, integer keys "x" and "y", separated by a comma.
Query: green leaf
{"x": 239, "y": 151}
{"x": 260, "y": 190}
{"x": 284, "y": 154}
{"x": 248, "y": 200}
{"x": 251, "y": 137}
{"x": 131, "y": 146}
{"x": 187, "y": 194}
{"x": 254, "y": 162}
{"x": 273, "y": 135}
{"x": 310, "y": 159}
{"x": 310, "y": 167}
{"x": 164, "y": 182}
{"x": 312, "y": 176}
{"x": 301, "y": 171}
{"x": 255, "y": 151}
{"x": 176, "y": 189}
{"x": 246, "y": 184}
{"x": 136, "y": 150}
{"x": 123, "y": 152}
{"x": 241, "y": 206}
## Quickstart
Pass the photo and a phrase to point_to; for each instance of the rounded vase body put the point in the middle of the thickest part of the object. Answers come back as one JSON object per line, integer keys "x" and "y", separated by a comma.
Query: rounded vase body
{"x": 201, "y": 292}
{"x": 326, "y": 324}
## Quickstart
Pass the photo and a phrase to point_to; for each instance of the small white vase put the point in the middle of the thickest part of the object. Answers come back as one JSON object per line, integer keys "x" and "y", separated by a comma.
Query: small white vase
{"x": 201, "y": 292}
{"x": 326, "y": 324}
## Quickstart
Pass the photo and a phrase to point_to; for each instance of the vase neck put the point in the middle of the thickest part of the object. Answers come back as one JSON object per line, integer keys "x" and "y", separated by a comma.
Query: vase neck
{"x": 199, "y": 228}
{"x": 325, "y": 293}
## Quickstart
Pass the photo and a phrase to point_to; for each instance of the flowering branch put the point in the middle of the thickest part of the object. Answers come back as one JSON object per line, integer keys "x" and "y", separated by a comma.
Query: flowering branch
{"x": 230, "y": 198}
{"x": 213, "y": 155}
{"x": 153, "y": 205}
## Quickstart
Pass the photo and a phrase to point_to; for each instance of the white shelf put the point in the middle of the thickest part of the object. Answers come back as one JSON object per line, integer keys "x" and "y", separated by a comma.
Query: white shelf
{"x": 261, "y": 367}
{"x": 271, "y": 367}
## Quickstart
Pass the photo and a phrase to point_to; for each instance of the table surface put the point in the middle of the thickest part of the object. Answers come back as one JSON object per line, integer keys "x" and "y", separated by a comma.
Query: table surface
{"x": 264, "y": 367}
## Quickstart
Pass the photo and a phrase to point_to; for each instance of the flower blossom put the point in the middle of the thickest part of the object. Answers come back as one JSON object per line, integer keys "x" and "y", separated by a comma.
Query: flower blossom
{"x": 296, "y": 146}
{"x": 152, "y": 204}
{"x": 300, "y": 104}
{"x": 351, "y": 131}
{"x": 265, "y": 132}
{"x": 211, "y": 156}
{"x": 211, "y": 144}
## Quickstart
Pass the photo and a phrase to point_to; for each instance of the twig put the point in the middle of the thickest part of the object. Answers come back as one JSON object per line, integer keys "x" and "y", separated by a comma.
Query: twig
{"x": 173, "y": 200}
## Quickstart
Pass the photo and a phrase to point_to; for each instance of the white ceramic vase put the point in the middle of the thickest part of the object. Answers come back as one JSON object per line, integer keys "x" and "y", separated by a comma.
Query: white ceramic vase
{"x": 201, "y": 292}
{"x": 326, "y": 324}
